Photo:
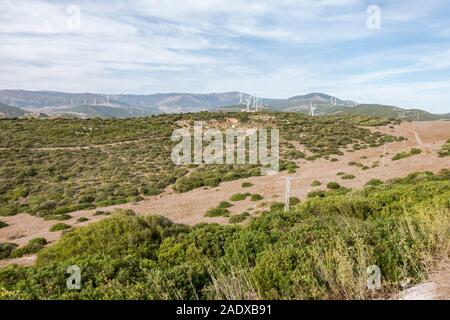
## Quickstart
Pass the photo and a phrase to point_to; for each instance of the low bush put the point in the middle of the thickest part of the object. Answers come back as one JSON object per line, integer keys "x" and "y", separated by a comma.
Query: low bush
{"x": 33, "y": 246}
{"x": 294, "y": 201}
{"x": 239, "y": 217}
{"x": 3, "y": 224}
{"x": 239, "y": 196}
{"x": 403, "y": 155}
{"x": 374, "y": 182}
{"x": 59, "y": 227}
{"x": 316, "y": 183}
{"x": 101, "y": 213}
{"x": 333, "y": 185}
{"x": 246, "y": 184}
{"x": 256, "y": 197}
{"x": 58, "y": 217}
{"x": 217, "y": 212}
{"x": 445, "y": 150}
{"x": 225, "y": 204}
{"x": 6, "y": 248}
{"x": 318, "y": 193}
{"x": 348, "y": 177}
{"x": 82, "y": 219}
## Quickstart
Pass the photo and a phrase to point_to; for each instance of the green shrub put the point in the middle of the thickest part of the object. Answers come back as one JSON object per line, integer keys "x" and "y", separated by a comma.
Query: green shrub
{"x": 333, "y": 185}
{"x": 225, "y": 204}
{"x": 58, "y": 217}
{"x": 246, "y": 184}
{"x": 217, "y": 212}
{"x": 239, "y": 196}
{"x": 33, "y": 246}
{"x": 239, "y": 217}
{"x": 294, "y": 201}
{"x": 348, "y": 177}
{"x": 59, "y": 227}
{"x": 256, "y": 197}
{"x": 101, "y": 213}
{"x": 82, "y": 219}
{"x": 316, "y": 183}
{"x": 3, "y": 224}
{"x": 6, "y": 249}
{"x": 374, "y": 182}
{"x": 276, "y": 206}
{"x": 402, "y": 155}
{"x": 318, "y": 193}
{"x": 445, "y": 150}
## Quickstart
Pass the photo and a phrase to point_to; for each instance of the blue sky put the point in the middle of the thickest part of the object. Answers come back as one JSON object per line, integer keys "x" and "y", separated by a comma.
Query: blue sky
{"x": 275, "y": 49}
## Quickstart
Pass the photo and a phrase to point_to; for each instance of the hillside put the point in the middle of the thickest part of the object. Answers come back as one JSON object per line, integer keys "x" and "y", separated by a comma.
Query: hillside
{"x": 11, "y": 112}
{"x": 320, "y": 249}
{"x": 64, "y": 179}
{"x": 88, "y": 105}
{"x": 97, "y": 111}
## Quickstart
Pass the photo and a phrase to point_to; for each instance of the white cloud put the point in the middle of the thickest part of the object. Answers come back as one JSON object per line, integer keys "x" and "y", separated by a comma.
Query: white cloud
{"x": 272, "y": 48}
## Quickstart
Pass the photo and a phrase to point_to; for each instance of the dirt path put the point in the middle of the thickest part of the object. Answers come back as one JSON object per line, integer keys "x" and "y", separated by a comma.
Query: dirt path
{"x": 436, "y": 288}
{"x": 418, "y": 139}
{"x": 189, "y": 207}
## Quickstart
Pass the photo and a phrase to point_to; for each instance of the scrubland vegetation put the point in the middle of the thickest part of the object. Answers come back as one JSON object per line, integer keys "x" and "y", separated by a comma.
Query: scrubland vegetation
{"x": 3, "y": 224}
{"x": 51, "y": 167}
{"x": 403, "y": 155}
{"x": 10, "y": 250}
{"x": 320, "y": 249}
{"x": 445, "y": 150}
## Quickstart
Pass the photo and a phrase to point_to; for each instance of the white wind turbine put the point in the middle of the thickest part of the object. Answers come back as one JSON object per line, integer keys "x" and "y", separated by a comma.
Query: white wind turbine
{"x": 312, "y": 109}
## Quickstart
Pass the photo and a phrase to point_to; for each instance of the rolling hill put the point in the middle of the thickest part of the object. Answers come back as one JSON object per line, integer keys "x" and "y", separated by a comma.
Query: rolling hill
{"x": 100, "y": 111}
{"x": 11, "y": 112}
{"x": 87, "y": 105}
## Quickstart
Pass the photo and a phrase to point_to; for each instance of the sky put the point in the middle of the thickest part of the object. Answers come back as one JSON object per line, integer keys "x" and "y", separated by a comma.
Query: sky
{"x": 389, "y": 52}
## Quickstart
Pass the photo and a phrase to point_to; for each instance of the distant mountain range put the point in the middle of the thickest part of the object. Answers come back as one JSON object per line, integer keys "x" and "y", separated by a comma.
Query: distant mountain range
{"x": 18, "y": 103}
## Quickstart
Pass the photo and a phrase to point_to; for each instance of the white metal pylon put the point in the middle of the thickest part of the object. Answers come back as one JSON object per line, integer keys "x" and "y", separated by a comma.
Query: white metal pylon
{"x": 287, "y": 194}
{"x": 312, "y": 109}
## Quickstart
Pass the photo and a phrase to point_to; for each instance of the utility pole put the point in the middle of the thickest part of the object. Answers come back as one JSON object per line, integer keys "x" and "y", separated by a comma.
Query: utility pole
{"x": 287, "y": 193}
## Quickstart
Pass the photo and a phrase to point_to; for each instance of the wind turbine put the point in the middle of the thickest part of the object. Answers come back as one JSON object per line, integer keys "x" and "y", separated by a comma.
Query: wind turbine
{"x": 249, "y": 102}
{"x": 312, "y": 109}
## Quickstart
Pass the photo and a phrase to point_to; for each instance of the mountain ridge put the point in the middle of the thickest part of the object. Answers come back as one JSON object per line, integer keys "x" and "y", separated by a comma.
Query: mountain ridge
{"x": 56, "y": 103}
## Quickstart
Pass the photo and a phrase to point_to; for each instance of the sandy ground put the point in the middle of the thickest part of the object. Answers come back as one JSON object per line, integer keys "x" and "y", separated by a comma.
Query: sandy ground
{"x": 436, "y": 288}
{"x": 189, "y": 207}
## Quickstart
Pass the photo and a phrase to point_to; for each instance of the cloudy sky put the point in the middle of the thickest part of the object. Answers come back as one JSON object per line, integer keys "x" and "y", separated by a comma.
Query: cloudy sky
{"x": 272, "y": 48}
